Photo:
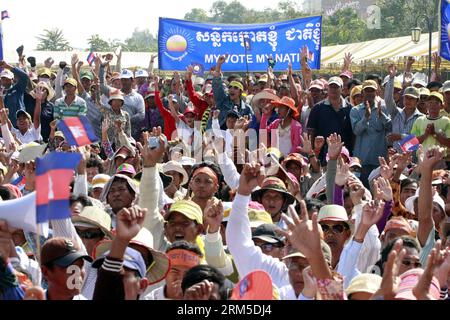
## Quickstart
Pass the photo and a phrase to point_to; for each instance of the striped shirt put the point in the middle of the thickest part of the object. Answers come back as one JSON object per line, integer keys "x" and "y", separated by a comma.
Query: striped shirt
{"x": 77, "y": 108}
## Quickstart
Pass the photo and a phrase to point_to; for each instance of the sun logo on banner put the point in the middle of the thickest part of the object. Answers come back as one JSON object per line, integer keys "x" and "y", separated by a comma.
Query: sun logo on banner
{"x": 177, "y": 44}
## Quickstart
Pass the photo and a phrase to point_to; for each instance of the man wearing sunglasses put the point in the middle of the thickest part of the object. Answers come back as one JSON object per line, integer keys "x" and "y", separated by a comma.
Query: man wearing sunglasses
{"x": 227, "y": 101}
{"x": 336, "y": 229}
{"x": 268, "y": 237}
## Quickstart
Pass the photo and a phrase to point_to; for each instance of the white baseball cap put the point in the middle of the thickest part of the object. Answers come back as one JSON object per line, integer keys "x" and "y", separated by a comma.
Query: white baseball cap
{"x": 141, "y": 74}
{"x": 7, "y": 74}
{"x": 126, "y": 74}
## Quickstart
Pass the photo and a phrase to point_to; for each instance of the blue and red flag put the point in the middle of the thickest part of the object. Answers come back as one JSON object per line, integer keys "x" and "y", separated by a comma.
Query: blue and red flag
{"x": 90, "y": 58}
{"x": 54, "y": 173}
{"x": 77, "y": 131}
{"x": 410, "y": 143}
{"x": 5, "y": 14}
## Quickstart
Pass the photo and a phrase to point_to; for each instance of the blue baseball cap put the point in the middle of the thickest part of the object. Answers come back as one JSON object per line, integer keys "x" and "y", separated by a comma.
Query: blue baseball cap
{"x": 132, "y": 259}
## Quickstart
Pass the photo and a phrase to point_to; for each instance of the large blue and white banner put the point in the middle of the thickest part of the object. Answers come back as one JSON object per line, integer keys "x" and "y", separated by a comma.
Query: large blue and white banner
{"x": 183, "y": 43}
{"x": 444, "y": 44}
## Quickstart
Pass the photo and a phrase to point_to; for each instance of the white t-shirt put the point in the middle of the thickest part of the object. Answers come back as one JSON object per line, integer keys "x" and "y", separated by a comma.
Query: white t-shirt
{"x": 30, "y": 135}
{"x": 284, "y": 141}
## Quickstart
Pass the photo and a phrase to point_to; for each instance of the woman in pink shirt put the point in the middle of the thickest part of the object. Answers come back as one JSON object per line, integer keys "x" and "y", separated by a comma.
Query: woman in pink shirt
{"x": 288, "y": 137}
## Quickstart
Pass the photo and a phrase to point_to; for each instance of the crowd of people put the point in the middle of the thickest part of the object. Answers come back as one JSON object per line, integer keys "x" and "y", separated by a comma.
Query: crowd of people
{"x": 200, "y": 180}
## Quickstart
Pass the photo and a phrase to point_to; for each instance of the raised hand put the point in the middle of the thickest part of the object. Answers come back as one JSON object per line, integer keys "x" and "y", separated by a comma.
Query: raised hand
{"x": 392, "y": 70}
{"x": 386, "y": 171}
{"x": 310, "y": 288}
{"x": 357, "y": 191}
{"x": 437, "y": 60}
{"x": 304, "y": 234}
{"x": 152, "y": 156}
{"x": 213, "y": 215}
{"x": 251, "y": 176}
{"x": 216, "y": 114}
{"x": 342, "y": 175}
{"x": 422, "y": 289}
{"x": 389, "y": 284}
{"x": 372, "y": 213}
{"x": 189, "y": 72}
{"x": 348, "y": 59}
{"x": 49, "y": 62}
{"x": 129, "y": 222}
{"x": 433, "y": 156}
{"x": 384, "y": 188}
{"x": 335, "y": 145}
{"x": 39, "y": 93}
{"x": 74, "y": 60}
{"x": 307, "y": 145}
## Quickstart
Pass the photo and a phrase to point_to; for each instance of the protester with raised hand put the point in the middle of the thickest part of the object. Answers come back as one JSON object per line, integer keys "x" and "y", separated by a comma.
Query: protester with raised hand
{"x": 249, "y": 257}
{"x": 232, "y": 100}
{"x": 430, "y": 217}
{"x": 122, "y": 272}
{"x": 348, "y": 263}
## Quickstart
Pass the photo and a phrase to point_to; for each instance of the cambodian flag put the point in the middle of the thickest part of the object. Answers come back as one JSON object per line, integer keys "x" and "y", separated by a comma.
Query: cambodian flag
{"x": 77, "y": 131}
{"x": 410, "y": 143}
{"x": 5, "y": 14}
{"x": 90, "y": 58}
{"x": 54, "y": 172}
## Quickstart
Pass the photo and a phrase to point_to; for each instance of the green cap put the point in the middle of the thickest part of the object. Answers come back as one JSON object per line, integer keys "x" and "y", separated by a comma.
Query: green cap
{"x": 87, "y": 75}
{"x": 412, "y": 92}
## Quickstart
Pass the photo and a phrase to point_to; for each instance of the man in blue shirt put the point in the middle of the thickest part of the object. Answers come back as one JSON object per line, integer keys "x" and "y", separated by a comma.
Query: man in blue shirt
{"x": 370, "y": 123}
{"x": 232, "y": 100}
{"x": 13, "y": 92}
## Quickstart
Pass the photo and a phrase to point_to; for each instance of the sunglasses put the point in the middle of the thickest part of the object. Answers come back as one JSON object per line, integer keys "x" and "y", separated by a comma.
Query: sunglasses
{"x": 268, "y": 247}
{"x": 336, "y": 229}
{"x": 90, "y": 234}
{"x": 415, "y": 263}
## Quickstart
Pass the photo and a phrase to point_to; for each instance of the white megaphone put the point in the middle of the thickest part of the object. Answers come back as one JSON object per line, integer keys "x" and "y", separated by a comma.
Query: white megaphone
{"x": 21, "y": 214}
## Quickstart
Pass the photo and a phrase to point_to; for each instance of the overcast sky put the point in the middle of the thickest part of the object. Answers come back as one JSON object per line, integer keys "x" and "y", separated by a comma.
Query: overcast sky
{"x": 82, "y": 18}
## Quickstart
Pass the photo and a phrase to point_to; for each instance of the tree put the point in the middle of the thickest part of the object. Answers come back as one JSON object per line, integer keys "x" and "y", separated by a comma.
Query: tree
{"x": 351, "y": 28}
{"x": 198, "y": 15}
{"x": 53, "y": 40}
{"x": 98, "y": 44}
{"x": 141, "y": 41}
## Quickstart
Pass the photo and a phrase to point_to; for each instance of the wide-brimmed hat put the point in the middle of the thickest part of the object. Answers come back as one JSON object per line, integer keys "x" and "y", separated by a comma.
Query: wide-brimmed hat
{"x": 274, "y": 184}
{"x": 42, "y": 84}
{"x": 409, "y": 280}
{"x": 333, "y": 212}
{"x": 365, "y": 282}
{"x": 177, "y": 167}
{"x": 92, "y": 216}
{"x": 161, "y": 263}
{"x": 268, "y": 94}
{"x": 287, "y": 102}
{"x": 295, "y": 157}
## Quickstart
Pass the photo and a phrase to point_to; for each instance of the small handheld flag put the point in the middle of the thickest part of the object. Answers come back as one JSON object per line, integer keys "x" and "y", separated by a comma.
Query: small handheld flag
{"x": 90, "y": 58}
{"x": 54, "y": 172}
{"x": 410, "y": 143}
{"x": 77, "y": 131}
{"x": 5, "y": 14}
{"x": 247, "y": 44}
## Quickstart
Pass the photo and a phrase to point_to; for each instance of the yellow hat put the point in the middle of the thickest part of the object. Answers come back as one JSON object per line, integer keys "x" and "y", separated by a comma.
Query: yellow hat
{"x": 236, "y": 84}
{"x": 436, "y": 95}
{"x": 365, "y": 282}
{"x": 356, "y": 90}
{"x": 71, "y": 81}
{"x": 259, "y": 217}
{"x": 189, "y": 209}
{"x": 398, "y": 84}
{"x": 45, "y": 72}
{"x": 370, "y": 84}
